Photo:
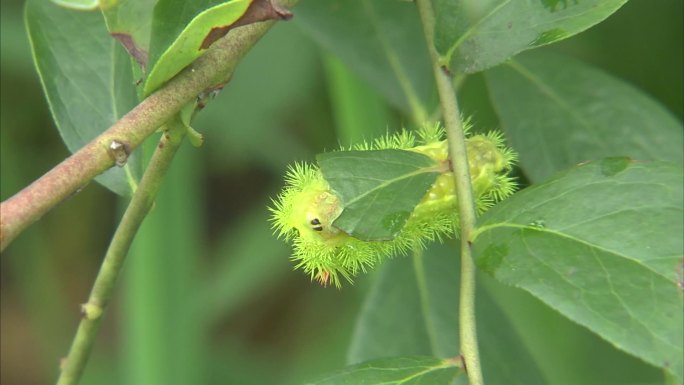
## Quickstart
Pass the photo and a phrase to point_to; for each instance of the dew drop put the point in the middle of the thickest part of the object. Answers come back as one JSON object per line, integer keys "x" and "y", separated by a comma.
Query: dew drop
{"x": 614, "y": 166}
{"x": 395, "y": 221}
{"x": 538, "y": 223}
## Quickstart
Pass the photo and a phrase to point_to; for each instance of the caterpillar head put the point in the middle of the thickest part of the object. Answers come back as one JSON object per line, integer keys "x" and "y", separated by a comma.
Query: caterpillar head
{"x": 303, "y": 214}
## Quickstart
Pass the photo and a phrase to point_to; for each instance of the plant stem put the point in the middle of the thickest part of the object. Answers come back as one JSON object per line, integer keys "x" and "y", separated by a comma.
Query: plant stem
{"x": 466, "y": 205}
{"x": 104, "y": 284}
{"x": 212, "y": 69}
{"x": 140, "y": 204}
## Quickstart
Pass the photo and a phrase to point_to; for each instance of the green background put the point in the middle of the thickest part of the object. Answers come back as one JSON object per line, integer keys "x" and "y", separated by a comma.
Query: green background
{"x": 220, "y": 304}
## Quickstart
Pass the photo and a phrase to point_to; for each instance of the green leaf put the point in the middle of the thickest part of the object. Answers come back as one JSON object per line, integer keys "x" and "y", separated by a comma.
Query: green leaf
{"x": 566, "y": 352}
{"x": 379, "y": 189}
{"x": 382, "y": 40}
{"x": 182, "y": 31}
{"x": 396, "y": 371}
{"x": 81, "y": 5}
{"x": 130, "y": 22}
{"x": 602, "y": 244}
{"x": 473, "y": 35}
{"x": 558, "y": 112}
{"x": 178, "y": 31}
{"x": 412, "y": 309}
{"x": 86, "y": 77}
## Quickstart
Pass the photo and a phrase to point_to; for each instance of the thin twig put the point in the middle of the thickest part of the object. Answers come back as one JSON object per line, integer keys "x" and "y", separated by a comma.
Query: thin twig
{"x": 213, "y": 68}
{"x": 74, "y": 363}
{"x": 466, "y": 205}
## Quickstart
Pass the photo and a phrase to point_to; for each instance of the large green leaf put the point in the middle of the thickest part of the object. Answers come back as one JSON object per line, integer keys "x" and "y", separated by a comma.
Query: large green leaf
{"x": 473, "y": 35}
{"x": 566, "y": 352}
{"x": 86, "y": 77}
{"x": 379, "y": 189}
{"x": 382, "y": 40}
{"x": 558, "y": 112}
{"x": 412, "y": 309}
{"x": 395, "y": 371}
{"x": 602, "y": 244}
{"x": 182, "y": 31}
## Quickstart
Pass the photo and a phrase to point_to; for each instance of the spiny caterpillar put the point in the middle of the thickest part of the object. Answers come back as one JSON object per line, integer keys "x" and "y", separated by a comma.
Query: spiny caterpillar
{"x": 304, "y": 211}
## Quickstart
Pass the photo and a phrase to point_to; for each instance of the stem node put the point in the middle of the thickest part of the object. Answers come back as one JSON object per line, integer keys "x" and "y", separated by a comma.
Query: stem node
{"x": 119, "y": 151}
{"x": 91, "y": 311}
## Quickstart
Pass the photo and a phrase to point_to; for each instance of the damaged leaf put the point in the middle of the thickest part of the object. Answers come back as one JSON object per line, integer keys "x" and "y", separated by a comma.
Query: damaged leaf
{"x": 130, "y": 22}
{"x": 180, "y": 34}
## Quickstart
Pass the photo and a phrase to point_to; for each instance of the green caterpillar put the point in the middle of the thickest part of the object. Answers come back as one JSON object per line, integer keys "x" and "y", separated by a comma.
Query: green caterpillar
{"x": 304, "y": 211}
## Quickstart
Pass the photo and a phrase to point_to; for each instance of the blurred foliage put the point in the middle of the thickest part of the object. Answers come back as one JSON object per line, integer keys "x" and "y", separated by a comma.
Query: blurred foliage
{"x": 207, "y": 291}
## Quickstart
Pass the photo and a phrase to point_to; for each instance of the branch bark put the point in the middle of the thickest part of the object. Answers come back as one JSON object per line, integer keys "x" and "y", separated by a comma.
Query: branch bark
{"x": 213, "y": 68}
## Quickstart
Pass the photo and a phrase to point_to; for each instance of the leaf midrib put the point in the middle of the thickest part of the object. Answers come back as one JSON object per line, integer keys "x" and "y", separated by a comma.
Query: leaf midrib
{"x": 387, "y": 183}
{"x": 474, "y": 27}
{"x": 425, "y": 370}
